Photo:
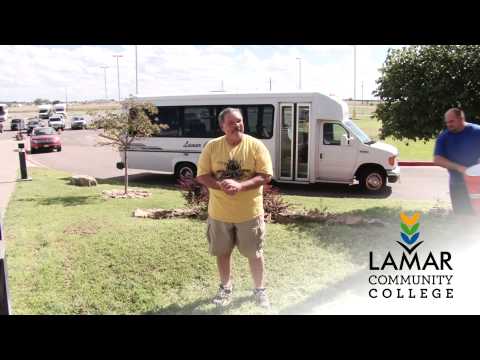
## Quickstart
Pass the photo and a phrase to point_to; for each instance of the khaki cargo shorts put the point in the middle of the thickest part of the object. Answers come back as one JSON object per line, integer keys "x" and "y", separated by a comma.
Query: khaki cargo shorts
{"x": 248, "y": 236}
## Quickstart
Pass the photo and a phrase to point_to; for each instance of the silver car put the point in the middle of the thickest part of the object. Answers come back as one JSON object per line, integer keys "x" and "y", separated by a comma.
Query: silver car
{"x": 79, "y": 122}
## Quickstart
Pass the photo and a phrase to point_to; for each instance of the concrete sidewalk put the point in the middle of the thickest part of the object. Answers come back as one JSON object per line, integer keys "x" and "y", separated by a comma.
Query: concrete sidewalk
{"x": 9, "y": 171}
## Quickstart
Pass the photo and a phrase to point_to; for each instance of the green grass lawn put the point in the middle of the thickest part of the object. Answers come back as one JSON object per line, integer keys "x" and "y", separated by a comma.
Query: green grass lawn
{"x": 72, "y": 252}
{"x": 409, "y": 150}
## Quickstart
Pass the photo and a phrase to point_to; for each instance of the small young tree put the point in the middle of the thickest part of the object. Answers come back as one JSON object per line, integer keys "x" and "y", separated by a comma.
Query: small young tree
{"x": 121, "y": 129}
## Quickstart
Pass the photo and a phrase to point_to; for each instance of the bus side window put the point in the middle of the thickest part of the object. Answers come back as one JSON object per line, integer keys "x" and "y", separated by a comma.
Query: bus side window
{"x": 267, "y": 122}
{"x": 252, "y": 125}
{"x": 260, "y": 121}
{"x": 170, "y": 118}
{"x": 332, "y": 133}
{"x": 198, "y": 121}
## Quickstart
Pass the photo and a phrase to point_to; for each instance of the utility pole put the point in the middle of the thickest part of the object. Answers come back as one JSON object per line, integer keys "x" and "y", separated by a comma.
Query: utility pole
{"x": 105, "y": 76}
{"x": 136, "y": 70}
{"x": 118, "y": 74}
{"x": 270, "y": 81}
{"x": 222, "y": 86}
{"x": 66, "y": 99}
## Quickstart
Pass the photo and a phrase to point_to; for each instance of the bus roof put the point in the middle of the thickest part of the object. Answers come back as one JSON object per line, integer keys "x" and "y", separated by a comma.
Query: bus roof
{"x": 330, "y": 108}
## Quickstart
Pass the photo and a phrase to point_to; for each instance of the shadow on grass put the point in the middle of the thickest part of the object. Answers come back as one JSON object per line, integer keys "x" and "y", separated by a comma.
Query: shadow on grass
{"x": 64, "y": 200}
{"x": 330, "y": 190}
{"x": 70, "y": 200}
{"x": 354, "y": 240}
{"x": 355, "y": 282}
{"x": 144, "y": 180}
{"x": 193, "y": 307}
{"x": 163, "y": 181}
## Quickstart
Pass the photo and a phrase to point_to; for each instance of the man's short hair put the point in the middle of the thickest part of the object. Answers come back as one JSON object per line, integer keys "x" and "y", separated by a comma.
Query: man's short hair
{"x": 227, "y": 111}
{"x": 459, "y": 113}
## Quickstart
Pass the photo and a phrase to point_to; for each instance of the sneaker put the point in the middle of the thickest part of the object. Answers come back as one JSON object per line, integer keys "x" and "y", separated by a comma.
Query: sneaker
{"x": 261, "y": 298}
{"x": 223, "y": 297}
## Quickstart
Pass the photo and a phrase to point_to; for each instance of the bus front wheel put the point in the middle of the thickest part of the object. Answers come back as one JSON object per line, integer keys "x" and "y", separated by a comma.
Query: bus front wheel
{"x": 373, "y": 180}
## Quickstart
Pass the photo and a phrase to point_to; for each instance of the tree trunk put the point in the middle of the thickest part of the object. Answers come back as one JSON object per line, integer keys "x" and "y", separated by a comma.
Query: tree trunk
{"x": 126, "y": 172}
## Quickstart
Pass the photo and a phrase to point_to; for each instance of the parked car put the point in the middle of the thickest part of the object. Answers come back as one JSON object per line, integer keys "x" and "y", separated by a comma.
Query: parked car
{"x": 57, "y": 122}
{"x": 79, "y": 122}
{"x": 45, "y": 138}
{"x": 33, "y": 124}
{"x": 1, "y": 127}
{"x": 17, "y": 125}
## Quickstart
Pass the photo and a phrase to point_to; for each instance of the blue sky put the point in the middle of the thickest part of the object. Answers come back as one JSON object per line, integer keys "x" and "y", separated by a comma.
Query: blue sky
{"x": 49, "y": 71}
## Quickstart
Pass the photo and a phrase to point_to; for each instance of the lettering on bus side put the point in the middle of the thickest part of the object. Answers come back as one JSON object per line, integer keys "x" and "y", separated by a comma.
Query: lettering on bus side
{"x": 190, "y": 145}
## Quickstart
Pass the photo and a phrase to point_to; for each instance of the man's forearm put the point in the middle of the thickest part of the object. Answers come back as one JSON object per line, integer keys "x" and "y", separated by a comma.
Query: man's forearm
{"x": 209, "y": 181}
{"x": 447, "y": 164}
{"x": 255, "y": 182}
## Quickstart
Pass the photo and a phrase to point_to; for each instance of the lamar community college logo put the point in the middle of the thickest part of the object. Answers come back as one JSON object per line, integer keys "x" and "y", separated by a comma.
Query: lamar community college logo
{"x": 400, "y": 271}
{"x": 409, "y": 232}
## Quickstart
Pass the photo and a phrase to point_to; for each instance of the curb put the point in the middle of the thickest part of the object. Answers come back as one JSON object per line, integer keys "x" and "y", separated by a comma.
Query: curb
{"x": 416, "y": 163}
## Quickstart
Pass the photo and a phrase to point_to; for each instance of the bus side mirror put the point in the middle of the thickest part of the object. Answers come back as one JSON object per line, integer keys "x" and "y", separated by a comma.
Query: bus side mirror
{"x": 345, "y": 140}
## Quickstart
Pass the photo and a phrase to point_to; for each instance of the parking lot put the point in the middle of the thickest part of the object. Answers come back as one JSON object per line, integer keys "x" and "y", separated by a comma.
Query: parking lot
{"x": 81, "y": 155}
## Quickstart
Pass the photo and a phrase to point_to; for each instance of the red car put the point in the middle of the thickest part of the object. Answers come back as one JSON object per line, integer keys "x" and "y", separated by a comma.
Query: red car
{"x": 45, "y": 138}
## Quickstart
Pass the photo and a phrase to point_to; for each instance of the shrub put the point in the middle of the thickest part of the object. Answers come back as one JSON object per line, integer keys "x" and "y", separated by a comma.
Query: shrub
{"x": 273, "y": 203}
{"x": 196, "y": 196}
{"x": 194, "y": 193}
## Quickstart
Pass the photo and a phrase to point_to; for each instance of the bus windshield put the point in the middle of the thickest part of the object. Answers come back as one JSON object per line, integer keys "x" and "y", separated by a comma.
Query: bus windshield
{"x": 359, "y": 133}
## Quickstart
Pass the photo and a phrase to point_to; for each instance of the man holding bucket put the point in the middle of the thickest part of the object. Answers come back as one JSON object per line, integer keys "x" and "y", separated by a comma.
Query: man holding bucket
{"x": 456, "y": 149}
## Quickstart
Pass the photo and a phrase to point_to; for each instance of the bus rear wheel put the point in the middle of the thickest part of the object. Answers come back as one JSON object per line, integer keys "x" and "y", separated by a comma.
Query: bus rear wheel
{"x": 187, "y": 170}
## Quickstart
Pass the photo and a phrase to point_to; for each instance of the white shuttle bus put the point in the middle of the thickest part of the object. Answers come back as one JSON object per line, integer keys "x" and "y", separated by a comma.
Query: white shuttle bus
{"x": 309, "y": 135}
{"x": 44, "y": 111}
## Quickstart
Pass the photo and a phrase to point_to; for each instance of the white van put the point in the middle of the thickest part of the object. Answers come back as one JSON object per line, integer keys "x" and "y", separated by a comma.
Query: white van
{"x": 60, "y": 109}
{"x": 57, "y": 122}
{"x": 44, "y": 111}
{"x": 309, "y": 135}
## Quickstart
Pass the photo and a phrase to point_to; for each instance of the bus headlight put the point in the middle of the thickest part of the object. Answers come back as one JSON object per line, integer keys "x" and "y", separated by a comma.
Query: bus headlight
{"x": 391, "y": 160}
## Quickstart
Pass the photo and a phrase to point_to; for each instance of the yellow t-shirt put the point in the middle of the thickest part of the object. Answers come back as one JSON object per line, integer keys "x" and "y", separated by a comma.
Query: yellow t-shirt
{"x": 240, "y": 163}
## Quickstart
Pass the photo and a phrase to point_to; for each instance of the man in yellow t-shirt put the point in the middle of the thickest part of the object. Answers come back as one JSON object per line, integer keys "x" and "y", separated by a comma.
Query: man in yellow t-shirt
{"x": 235, "y": 167}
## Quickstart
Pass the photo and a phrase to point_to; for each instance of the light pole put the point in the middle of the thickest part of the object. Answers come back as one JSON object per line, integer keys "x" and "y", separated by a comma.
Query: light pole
{"x": 118, "y": 74}
{"x": 362, "y": 92}
{"x": 299, "y": 73}
{"x": 270, "y": 81}
{"x": 105, "y": 77}
{"x": 136, "y": 70}
{"x": 354, "y": 78}
{"x": 66, "y": 99}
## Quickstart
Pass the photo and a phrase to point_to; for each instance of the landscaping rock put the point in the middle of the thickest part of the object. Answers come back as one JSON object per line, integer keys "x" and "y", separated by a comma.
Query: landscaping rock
{"x": 282, "y": 218}
{"x": 83, "y": 180}
{"x": 120, "y": 194}
{"x": 169, "y": 213}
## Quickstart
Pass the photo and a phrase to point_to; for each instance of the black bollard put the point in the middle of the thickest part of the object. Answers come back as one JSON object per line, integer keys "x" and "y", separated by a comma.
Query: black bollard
{"x": 23, "y": 161}
{"x": 4, "y": 298}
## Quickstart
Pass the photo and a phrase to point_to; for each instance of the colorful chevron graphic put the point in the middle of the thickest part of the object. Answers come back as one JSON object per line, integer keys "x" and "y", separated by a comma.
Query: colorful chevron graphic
{"x": 409, "y": 226}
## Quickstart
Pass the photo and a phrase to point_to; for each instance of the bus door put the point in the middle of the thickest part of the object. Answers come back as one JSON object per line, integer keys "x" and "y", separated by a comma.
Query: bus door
{"x": 293, "y": 141}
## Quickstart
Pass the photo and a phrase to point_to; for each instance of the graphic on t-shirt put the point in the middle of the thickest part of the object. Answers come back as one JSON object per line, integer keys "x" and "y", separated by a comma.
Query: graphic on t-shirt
{"x": 233, "y": 170}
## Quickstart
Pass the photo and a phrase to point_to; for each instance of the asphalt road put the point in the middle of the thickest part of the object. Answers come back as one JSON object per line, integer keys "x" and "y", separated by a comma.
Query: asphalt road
{"x": 80, "y": 155}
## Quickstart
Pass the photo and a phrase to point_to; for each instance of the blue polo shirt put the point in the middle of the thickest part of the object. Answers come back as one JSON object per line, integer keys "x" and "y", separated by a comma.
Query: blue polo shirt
{"x": 462, "y": 148}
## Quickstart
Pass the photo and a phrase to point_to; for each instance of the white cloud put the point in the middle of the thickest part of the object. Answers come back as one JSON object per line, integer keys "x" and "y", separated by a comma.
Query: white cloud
{"x": 29, "y": 72}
